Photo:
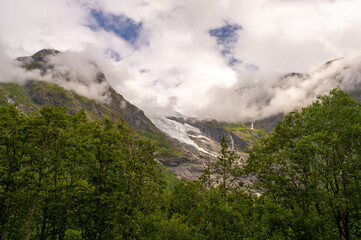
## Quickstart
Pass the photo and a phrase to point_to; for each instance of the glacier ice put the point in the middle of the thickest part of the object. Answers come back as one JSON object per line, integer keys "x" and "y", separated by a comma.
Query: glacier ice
{"x": 178, "y": 131}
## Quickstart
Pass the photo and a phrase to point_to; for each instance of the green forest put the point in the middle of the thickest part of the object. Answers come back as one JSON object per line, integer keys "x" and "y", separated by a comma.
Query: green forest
{"x": 65, "y": 176}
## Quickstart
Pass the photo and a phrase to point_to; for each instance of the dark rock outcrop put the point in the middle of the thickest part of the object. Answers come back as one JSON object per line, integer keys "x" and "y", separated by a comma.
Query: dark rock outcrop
{"x": 213, "y": 130}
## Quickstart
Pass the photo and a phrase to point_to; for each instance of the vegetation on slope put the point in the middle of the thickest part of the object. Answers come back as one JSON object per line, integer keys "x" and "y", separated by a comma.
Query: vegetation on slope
{"x": 65, "y": 177}
{"x": 306, "y": 181}
{"x": 245, "y": 132}
{"x": 309, "y": 171}
{"x": 34, "y": 94}
{"x": 11, "y": 93}
{"x": 164, "y": 148}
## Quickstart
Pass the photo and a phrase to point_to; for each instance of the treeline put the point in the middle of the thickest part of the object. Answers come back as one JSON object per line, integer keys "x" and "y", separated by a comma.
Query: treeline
{"x": 305, "y": 181}
{"x": 65, "y": 177}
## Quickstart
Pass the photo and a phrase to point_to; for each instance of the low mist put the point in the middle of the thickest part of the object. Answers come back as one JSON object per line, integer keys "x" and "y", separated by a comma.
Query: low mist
{"x": 254, "y": 96}
{"x": 12, "y": 72}
{"x": 77, "y": 71}
{"x": 260, "y": 95}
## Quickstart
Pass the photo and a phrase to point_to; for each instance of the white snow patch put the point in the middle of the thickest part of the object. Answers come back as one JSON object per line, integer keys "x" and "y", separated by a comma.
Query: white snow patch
{"x": 177, "y": 131}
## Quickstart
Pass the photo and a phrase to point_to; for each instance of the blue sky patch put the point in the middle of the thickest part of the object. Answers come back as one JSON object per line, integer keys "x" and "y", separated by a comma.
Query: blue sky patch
{"x": 120, "y": 25}
{"x": 226, "y": 37}
{"x": 233, "y": 61}
{"x": 225, "y": 34}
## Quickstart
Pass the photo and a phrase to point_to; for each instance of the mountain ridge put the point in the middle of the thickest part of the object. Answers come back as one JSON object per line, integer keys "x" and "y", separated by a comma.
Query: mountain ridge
{"x": 186, "y": 161}
{"x": 185, "y": 144}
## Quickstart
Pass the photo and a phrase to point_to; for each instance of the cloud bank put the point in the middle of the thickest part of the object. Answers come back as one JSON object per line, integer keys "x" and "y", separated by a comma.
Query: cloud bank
{"x": 80, "y": 72}
{"x": 77, "y": 71}
{"x": 10, "y": 70}
{"x": 212, "y": 58}
{"x": 272, "y": 94}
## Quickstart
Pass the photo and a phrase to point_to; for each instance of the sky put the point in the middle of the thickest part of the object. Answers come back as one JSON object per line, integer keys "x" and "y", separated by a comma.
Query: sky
{"x": 221, "y": 59}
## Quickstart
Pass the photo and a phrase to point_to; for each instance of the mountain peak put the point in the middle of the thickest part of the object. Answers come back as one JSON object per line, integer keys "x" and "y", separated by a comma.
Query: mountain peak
{"x": 40, "y": 55}
{"x": 294, "y": 74}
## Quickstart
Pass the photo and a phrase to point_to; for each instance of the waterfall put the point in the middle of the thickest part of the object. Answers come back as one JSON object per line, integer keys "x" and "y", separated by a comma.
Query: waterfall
{"x": 232, "y": 141}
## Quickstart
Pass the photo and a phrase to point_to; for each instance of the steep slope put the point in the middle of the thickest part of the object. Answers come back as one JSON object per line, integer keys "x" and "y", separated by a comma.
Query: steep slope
{"x": 200, "y": 142}
{"x": 240, "y": 135}
{"x": 196, "y": 149}
{"x": 202, "y": 137}
{"x": 33, "y": 94}
{"x": 46, "y": 93}
{"x": 344, "y": 73}
{"x": 185, "y": 144}
{"x": 184, "y": 159}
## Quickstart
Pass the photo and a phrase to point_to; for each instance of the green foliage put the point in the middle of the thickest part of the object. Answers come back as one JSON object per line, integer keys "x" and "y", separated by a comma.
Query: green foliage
{"x": 234, "y": 127}
{"x": 17, "y": 94}
{"x": 169, "y": 177}
{"x": 63, "y": 176}
{"x": 261, "y": 132}
{"x": 164, "y": 148}
{"x": 225, "y": 170}
{"x": 34, "y": 65}
{"x": 309, "y": 170}
{"x": 245, "y": 132}
{"x": 306, "y": 181}
{"x": 218, "y": 220}
{"x": 185, "y": 199}
{"x": 34, "y": 94}
{"x": 207, "y": 208}
{"x": 159, "y": 226}
{"x": 206, "y": 212}
{"x": 66, "y": 177}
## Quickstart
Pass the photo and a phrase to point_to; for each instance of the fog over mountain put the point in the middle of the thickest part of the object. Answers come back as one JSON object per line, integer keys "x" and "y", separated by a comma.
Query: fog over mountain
{"x": 11, "y": 71}
{"x": 230, "y": 62}
{"x": 254, "y": 96}
{"x": 262, "y": 95}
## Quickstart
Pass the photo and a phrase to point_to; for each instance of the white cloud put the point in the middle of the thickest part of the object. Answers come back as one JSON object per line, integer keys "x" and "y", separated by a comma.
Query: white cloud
{"x": 80, "y": 71}
{"x": 179, "y": 65}
{"x": 294, "y": 35}
{"x": 10, "y": 70}
{"x": 28, "y": 26}
{"x": 272, "y": 94}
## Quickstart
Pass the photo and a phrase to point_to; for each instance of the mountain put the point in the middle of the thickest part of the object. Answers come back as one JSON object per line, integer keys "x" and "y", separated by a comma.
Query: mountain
{"x": 37, "y": 93}
{"x": 205, "y": 135}
{"x": 302, "y": 89}
{"x": 34, "y": 93}
{"x": 200, "y": 141}
{"x": 185, "y": 145}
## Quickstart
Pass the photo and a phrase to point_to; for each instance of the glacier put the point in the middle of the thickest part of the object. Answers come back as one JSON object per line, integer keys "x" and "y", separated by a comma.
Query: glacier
{"x": 179, "y": 131}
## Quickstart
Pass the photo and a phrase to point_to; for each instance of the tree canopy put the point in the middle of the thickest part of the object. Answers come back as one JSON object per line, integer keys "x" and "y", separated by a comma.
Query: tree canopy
{"x": 308, "y": 170}
{"x": 66, "y": 177}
